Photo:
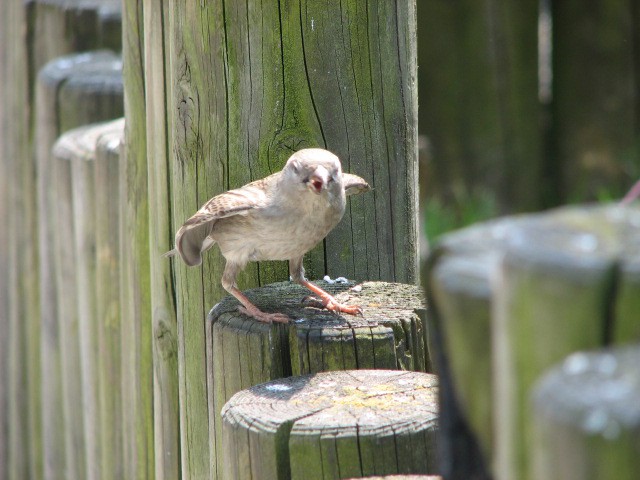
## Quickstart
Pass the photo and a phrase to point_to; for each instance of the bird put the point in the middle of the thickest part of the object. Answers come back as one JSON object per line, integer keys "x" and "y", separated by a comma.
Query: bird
{"x": 280, "y": 217}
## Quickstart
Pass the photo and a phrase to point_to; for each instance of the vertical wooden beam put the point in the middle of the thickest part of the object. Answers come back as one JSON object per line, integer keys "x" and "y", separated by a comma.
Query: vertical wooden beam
{"x": 249, "y": 84}
{"x": 137, "y": 361}
{"x": 163, "y": 308}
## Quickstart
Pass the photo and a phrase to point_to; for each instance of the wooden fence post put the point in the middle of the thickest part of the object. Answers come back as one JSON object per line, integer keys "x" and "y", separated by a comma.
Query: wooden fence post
{"x": 251, "y": 83}
{"x": 20, "y": 432}
{"x": 540, "y": 287}
{"x": 341, "y": 424}
{"x": 34, "y": 32}
{"x": 72, "y": 91}
{"x": 137, "y": 360}
{"x": 163, "y": 309}
{"x": 243, "y": 352}
{"x": 586, "y": 417}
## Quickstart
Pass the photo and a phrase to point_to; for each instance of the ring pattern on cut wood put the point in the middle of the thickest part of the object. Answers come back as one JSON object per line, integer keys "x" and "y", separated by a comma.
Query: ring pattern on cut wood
{"x": 333, "y": 425}
{"x": 391, "y": 334}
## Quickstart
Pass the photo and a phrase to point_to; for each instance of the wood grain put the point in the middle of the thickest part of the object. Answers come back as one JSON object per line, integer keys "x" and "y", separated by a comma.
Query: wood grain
{"x": 163, "y": 309}
{"x": 251, "y": 82}
{"x": 137, "y": 357}
{"x": 333, "y": 424}
{"x": 390, "y": 335}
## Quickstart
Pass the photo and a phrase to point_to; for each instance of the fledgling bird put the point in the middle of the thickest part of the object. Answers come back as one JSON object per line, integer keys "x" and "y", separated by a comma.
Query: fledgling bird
{"x": 280, "y": 217}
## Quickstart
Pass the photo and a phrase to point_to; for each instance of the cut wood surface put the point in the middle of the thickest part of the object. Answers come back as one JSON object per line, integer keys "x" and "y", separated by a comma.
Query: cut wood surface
{"x": 588, "y": 417}
{"x": 333, "y": 425}
{"x": 531, "y": 290}
{"x": 390, "y": 335}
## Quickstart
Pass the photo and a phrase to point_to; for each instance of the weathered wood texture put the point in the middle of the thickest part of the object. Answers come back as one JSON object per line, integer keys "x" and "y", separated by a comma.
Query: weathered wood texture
{"x": 78, "y": 148}
{"x": 333, "y": 425}
{"x": 244, "y": 352}
{"x": 596, "y": 114}
{"x": 405, "y": 477}
{"x": 59, "y": 27}
{"x": 108, "y": 303}
{"x": 33, "y": 33}
{"x": 137, "y": 361}
{"x": 163, "y": 309}
{"x": 588, "y": 417}
{"x": 68, "y": 323}
{"x": 20, "y": 433}
{"x": 72, "y": 91}
{"x": 534, "y": 288}
{"x": 479, "y": 100}
{"x": 248, "y": 84}
{"x": 7, "y": 143}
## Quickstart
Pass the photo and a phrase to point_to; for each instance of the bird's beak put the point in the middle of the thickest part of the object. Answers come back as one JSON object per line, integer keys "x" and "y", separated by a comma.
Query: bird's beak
{"x": 318, "y": 179}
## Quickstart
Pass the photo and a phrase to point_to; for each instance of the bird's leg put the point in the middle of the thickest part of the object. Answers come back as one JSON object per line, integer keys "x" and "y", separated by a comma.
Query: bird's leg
{"x": 328, "y": 301}
{"x": 247, "y": 308}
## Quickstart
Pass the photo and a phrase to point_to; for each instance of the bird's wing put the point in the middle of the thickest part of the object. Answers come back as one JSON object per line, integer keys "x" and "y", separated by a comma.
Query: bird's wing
{"x": 192, "y": 238}
{"x": 354, "y": 184}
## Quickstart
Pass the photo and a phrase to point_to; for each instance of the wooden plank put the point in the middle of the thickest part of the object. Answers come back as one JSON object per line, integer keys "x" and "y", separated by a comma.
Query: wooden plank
{"x": 320, "y": 413}
{"x": 163, "y": 308}
{"x": 595, "y": 118}
{"x": 137, "y": 359}
{"x": 481, "y": 112}
{"x": 586, "y": 412}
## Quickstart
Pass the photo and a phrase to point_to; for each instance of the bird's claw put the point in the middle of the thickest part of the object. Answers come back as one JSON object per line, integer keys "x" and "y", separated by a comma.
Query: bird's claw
{"x": 332, "y": 305}
{"x": 264, "y": 316}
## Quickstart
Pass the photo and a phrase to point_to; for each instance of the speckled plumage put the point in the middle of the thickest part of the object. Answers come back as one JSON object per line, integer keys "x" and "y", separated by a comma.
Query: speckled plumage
{"x": 280, "y": 217}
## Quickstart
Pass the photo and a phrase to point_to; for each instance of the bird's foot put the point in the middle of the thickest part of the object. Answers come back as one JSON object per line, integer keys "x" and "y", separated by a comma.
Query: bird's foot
{"x": 264, "y": 316}
{"x": 331, "y": 304}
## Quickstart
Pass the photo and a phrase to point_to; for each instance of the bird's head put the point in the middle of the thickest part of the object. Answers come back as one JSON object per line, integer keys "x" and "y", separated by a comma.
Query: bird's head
{"x": 316, "y": 170}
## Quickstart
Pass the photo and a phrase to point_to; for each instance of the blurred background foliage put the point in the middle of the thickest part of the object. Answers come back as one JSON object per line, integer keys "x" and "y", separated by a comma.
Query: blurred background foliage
{"x": 525, "y": 105}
